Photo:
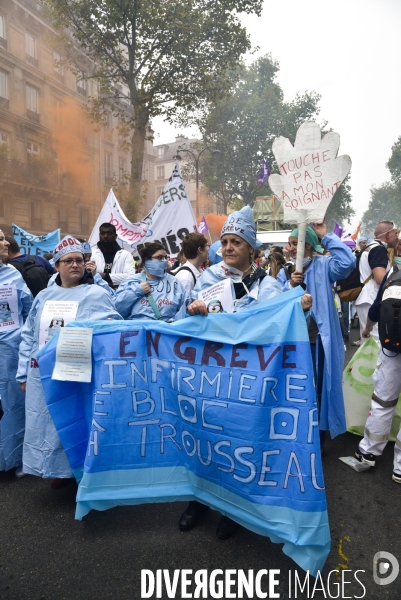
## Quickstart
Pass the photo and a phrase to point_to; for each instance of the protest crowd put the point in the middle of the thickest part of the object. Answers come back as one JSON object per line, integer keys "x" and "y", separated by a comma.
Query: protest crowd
{"x": 81, "y": 282}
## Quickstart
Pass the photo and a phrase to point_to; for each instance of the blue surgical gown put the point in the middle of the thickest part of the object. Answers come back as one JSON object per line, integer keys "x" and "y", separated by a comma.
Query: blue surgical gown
{"x": 43, "y": 453}
{"x": 12, "y": 424}
{"x": 319, "y": 279}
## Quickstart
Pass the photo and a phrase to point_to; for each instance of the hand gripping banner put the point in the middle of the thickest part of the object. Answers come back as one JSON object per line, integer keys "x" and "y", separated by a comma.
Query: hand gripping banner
{"x": 220, "y": 409}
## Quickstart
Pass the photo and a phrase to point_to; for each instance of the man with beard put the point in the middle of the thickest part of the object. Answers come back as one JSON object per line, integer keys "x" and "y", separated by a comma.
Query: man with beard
{"x": 112, "y": 262}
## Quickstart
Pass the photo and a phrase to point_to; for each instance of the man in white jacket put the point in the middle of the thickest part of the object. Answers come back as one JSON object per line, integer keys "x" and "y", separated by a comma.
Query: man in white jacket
{"x": 112, "y": 262}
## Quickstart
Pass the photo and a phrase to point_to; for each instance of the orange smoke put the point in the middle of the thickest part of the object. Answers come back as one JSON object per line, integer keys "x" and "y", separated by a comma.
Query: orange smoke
{"x": 215, "y": 224}
{"x": 71, "y": 132}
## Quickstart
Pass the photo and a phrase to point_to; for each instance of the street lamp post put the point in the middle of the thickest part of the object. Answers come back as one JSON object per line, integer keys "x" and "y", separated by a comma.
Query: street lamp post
{"x": 215, "y": 153}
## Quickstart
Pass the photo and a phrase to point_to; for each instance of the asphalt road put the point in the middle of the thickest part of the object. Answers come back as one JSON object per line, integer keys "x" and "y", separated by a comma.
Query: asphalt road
{"x": 45, "y": 554}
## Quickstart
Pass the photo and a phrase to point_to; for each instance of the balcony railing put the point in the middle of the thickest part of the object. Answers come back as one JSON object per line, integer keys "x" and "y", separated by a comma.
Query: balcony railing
{"x": 31, "y": 60}
{"x": 4, "y": 103}
{"x": 108, "y": 180}
{"x": 3, "y": 43}
{"x": 33, "y": 116}
{"x": 34, "y": 174}
{"x": 81, "y": 91}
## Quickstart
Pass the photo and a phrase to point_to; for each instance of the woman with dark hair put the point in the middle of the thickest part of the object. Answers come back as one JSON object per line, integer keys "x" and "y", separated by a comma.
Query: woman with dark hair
{"x": 154, "y": 293}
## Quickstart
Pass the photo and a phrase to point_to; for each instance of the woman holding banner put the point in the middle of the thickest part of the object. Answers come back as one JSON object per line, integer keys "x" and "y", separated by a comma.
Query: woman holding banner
{"x": 153, "y": 293}
{"x": 70, "y": 298}
{"x": 16, "y": 300}
{"x": 251, "y": 286}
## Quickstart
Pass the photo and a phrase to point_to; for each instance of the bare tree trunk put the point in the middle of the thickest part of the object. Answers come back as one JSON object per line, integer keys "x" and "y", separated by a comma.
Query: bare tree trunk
{"x": 134, "y": 200}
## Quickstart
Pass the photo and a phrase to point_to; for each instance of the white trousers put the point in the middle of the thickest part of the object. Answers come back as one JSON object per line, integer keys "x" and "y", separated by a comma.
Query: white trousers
{"x": 362, "y": 310}
{"x": 387, "y": 388}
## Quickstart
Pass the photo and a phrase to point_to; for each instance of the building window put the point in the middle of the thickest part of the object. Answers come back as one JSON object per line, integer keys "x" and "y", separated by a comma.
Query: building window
{"x": 121, "y": 171}
{"x": 84, "y": 219}
{"x": 32, "y": 148}
{"x": 160, "y": 172}
{"x": 36, "y": 218}
{"x": 31, "y": 50}
{"x": 63, "y": 218}
{"x": 107, "y": 167}
{"x": 3, "y": 42}
{"x": 58, "y": 70}
{"x": 3, "y": 90}
{"x": 82, "y": 84}
{"x": 160, "y": 151}
{"x": 32, "y": 97}
{"x": 57, "y": 111}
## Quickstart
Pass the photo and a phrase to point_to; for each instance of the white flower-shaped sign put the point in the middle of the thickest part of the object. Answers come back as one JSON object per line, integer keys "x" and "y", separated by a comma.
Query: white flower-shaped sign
{"x": 310, "y": 173}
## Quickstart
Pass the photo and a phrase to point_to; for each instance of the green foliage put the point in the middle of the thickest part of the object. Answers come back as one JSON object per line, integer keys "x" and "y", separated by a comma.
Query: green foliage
{"x": 394, "y": 162}
{"x": 340, "y": 208}
{"x": 384, "y": 205}
{"x": 172, "y": 56}
{"x": 243, "y": 126}
{"x": 385, "y": 202}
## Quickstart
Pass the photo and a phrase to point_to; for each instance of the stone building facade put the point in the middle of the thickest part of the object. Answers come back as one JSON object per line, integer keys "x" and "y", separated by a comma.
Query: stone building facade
{"x": 56, "y": 169}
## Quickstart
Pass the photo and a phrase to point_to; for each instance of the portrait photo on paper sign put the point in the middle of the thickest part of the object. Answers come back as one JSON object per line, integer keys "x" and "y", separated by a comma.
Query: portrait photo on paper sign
{"x": 55, "y": 315}
{"x": 219, "y": 298}
{"x": 8, "y": 308}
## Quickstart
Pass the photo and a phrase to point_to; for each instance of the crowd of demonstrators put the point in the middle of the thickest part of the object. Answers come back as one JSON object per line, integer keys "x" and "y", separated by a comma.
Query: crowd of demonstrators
{"x": 154, "y": 293}
{"x": 318, "y": 275}
{"x": 112, "y": 262}
{"x": 12, "y": 400}
{"x": 43, "y": 454}
{"x": 103, "y": 282}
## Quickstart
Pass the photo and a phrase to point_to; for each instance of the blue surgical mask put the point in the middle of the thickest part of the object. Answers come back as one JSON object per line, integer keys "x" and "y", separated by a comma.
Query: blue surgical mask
{"x": 397, "y": 260}
{"x": 156, "y": 267}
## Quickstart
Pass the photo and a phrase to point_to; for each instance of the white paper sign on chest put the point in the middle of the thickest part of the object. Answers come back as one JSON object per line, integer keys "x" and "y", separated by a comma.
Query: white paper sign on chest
{"x": 310, "y": 174}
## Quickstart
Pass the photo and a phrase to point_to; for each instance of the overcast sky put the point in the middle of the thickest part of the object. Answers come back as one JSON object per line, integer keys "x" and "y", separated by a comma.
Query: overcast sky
{"x": 349, "y": 52}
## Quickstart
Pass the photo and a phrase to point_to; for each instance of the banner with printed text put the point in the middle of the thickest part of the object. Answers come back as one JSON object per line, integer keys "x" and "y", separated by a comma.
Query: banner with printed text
{"x": 219, "y": 408}
{"x": 36, "y": 245}
{"x": 169, "y": 221}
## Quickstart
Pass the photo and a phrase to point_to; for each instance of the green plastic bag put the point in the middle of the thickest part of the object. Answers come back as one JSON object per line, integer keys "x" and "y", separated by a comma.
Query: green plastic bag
{"x": 358, "y": 389}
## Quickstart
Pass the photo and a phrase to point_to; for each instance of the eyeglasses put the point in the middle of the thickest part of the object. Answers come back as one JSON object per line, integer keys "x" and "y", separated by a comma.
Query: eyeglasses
{"x": 70, "y": 261}
{"x": 161, "y": 257}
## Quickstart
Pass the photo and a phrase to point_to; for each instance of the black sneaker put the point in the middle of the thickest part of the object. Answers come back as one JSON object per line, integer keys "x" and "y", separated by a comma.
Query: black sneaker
{"x": 396, "y": 477}
{"x": 367, "y": 459}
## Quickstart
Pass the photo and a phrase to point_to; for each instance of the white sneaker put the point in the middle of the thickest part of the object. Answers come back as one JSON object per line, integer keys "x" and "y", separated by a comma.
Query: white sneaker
{"x": 20, "y": 473}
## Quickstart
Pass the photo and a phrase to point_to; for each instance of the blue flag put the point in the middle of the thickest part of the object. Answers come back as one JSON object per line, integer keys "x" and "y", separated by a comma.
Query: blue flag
{"x": 220, "y": 409}
{"x": 35, "y": 244}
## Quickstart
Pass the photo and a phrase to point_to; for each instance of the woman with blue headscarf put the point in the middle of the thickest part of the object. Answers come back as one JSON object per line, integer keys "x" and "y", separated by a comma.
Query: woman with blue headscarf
{"x": 318, "y": 275}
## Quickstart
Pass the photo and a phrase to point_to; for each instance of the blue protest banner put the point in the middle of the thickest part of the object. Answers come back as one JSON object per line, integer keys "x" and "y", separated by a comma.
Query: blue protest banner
{"x": 35, "y": 244}
{"x": 219, "y": 408}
